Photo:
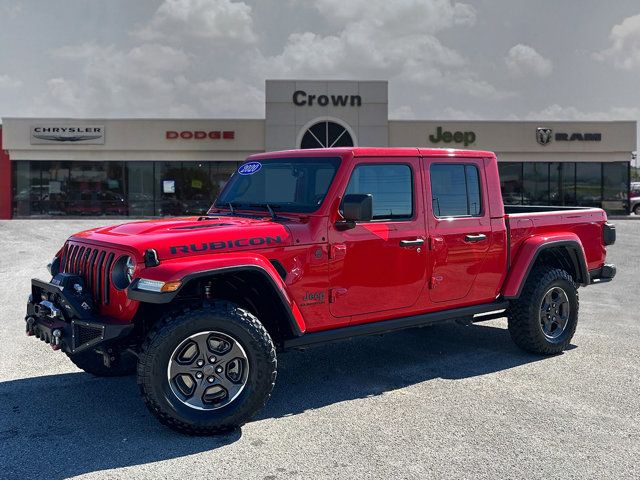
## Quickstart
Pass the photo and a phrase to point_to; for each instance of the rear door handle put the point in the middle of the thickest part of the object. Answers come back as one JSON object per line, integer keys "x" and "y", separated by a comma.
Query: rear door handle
{"x": 475, "y": 238}
{"x": 412, "y": 243}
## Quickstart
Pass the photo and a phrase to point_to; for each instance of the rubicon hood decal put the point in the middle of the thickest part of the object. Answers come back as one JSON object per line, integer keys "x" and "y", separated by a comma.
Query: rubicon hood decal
{"x": 226, "y": 244}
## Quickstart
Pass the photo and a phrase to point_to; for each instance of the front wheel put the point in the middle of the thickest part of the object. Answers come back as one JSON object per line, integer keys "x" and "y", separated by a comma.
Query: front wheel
{"x": 636, "y": 209}
{"x": 544, "y": 319}
{"x": 208, "y": 370}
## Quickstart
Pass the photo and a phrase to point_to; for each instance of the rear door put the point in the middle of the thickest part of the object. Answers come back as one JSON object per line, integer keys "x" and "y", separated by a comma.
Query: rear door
{"x": 381, "y": 265}
{"x": 459, "y": 226}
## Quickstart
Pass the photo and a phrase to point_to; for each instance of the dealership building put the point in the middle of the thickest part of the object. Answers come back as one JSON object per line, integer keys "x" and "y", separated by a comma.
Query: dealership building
{"x": 51, "y": 167}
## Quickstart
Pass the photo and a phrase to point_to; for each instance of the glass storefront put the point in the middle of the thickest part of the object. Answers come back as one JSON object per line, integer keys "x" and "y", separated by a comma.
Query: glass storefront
{"x": 145, "y": 189}
{"x": 587, "y": 184}
{"x": 135, "y": 189}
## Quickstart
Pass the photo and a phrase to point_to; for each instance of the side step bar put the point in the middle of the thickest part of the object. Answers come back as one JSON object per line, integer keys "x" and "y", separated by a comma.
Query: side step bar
{"x": 492, "y": 310}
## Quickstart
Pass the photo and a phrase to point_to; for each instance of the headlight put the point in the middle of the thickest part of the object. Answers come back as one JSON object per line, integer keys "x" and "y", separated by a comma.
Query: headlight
{"x": 123, "y": 272}
{"x": 54, "y": 266}
{"x": 130, "y": 269}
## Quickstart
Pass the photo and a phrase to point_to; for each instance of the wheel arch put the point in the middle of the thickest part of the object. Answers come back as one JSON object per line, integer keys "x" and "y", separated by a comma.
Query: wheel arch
{"x": 255, "y": 289}
{"x": 566, "y": 253}
{"x": 252, "y": 281}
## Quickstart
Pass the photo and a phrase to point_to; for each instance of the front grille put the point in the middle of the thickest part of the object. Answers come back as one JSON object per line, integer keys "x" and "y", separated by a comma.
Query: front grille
{"x": 93, "y": 264}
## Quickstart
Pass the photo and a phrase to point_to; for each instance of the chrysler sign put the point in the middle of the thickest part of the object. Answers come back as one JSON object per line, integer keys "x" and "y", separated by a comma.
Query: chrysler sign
{"x": 67, "y": 134}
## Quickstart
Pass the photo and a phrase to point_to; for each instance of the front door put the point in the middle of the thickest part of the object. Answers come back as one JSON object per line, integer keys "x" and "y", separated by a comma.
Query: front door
{"x": 459, "y": 226}
{"x": 380, "y": 265}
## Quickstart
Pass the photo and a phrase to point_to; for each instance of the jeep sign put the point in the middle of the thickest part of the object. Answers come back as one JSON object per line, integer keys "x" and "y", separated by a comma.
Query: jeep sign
{"x": 465, "y": 138}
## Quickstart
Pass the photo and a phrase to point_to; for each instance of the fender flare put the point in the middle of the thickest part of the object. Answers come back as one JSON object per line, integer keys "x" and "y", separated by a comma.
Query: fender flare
{"x": 187, "y": 270}
{"x": 528, "y": 255}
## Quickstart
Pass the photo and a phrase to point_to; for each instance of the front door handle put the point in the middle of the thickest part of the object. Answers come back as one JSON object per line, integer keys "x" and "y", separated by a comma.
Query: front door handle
{"x": 475, "y": 238}
{"x": 412, "y": 243}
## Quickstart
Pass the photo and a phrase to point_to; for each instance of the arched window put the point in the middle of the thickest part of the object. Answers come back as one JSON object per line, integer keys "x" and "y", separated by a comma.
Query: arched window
{"x": 326, "y": 134}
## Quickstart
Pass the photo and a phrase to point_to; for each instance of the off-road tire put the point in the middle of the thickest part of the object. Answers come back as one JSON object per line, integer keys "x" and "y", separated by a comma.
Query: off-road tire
{"x": 524, "y": 314}
{"x": 165, "y": 336}
{"x": 92, "y": 362}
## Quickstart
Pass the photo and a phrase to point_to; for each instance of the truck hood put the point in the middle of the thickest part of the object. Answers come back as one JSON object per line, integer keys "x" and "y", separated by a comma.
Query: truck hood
{"x": 188, "y": 236}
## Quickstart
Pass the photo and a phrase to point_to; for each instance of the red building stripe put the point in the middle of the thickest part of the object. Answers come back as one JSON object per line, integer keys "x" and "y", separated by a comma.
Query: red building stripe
{"x": 5, "y": 182}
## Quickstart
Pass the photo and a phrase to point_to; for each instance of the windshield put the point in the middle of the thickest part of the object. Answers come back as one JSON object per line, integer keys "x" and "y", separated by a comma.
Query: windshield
{"x": 283, "y": 184}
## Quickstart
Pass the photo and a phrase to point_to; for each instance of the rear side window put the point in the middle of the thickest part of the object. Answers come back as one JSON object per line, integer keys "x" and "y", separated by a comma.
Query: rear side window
{"x": 391, "y": 187}
{"x": 455, "y": 189}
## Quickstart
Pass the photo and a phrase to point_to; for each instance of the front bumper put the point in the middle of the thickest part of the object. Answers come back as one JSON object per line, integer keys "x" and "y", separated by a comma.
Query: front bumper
{"x": 604, "y": 274}
{"x": 65, "y": 320}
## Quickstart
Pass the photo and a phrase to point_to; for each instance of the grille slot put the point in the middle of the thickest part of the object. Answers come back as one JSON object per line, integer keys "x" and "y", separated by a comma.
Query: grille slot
{"x": 91, "y": 271}
{"x": 73, "y": 251}
{"x": 78, "y": 266}
{"x": 99, "y": 281}
{"x": 107, "y": 278}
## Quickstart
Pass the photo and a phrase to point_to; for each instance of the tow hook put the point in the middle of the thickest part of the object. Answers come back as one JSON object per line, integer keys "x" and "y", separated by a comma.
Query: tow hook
{"x": 30, "y": 322}
{"x": 56, "y": 339}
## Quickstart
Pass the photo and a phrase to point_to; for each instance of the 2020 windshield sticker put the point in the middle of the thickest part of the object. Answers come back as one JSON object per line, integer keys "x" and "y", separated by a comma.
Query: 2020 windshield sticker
{"x": 249, "y": 168}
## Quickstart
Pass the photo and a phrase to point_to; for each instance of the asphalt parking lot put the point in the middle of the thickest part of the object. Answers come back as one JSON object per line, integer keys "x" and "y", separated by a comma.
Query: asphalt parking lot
{"x": 446, "y": 401}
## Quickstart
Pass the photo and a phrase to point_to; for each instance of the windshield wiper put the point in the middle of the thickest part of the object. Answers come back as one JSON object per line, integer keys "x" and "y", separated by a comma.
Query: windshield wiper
{"x": 264, "y": 205}
{"x": 232, "y": 208}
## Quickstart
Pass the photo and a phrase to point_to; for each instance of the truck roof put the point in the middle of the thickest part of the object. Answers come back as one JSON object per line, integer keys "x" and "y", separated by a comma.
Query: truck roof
{"x": 376, "y": 152}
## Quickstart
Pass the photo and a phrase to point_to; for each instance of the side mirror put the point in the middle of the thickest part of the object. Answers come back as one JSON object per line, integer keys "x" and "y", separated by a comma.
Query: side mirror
{"x": 356, "y": 207}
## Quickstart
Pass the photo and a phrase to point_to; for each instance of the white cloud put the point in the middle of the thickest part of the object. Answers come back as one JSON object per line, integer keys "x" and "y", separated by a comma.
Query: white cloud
{"x": 382, "y": 39}
{"x": 214, "y": 20}
{"x": 523, "y": 60}
{"x": 229, "y": 98}
{"x": 11, "y": 10}
{"x": 7, "y": 81}
{"x": 137, "y": 81}
{"x": 403, "y": 112}
{"x": 202, "y": 58}
{"x": 146, "y": 80}
{"x": 624, "y": 51}
{"x": 148, "y": 57}
{"x": 559, "y": 112}
{"x": 412, "y": 15}
{"x": 456, "y": 114}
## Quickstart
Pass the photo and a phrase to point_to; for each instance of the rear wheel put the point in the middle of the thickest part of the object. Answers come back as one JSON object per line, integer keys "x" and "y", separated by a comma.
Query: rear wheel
{"x": 544, "y": 319}
{"x": 121, "y": 363}
{"x": 207, "y": 370}
{"x": 636, "y": 209}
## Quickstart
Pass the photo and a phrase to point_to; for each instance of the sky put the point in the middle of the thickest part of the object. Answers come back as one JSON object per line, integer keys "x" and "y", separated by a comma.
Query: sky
{"x": 477, "y": 59}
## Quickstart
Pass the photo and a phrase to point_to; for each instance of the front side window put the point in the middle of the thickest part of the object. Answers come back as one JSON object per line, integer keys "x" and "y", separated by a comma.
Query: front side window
{"x": 284, "y": 184}
{"x": 390, "y": 186}
{"x": 455, "y": 189}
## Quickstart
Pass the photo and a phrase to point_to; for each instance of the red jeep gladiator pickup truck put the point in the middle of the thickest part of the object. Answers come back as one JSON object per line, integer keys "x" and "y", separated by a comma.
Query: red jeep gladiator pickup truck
{"x": 305, "y": 247}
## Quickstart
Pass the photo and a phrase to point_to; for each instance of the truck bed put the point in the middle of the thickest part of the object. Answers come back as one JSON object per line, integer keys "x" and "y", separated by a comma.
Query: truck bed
{"x": 525, "y": 221}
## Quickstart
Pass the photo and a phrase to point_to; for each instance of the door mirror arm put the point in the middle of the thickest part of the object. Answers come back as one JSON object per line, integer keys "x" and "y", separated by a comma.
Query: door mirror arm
{"x": 345, "y": 225}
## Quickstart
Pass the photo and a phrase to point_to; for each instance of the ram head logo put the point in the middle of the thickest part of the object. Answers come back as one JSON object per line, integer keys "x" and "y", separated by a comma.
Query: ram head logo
{"x": 543, "y": 135}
